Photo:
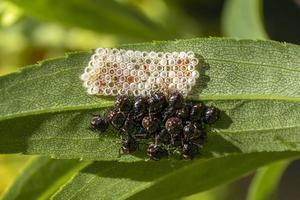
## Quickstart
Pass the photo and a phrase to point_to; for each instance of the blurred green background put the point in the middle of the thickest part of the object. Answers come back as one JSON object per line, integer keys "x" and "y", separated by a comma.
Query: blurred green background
{"x": 26, "y": 38}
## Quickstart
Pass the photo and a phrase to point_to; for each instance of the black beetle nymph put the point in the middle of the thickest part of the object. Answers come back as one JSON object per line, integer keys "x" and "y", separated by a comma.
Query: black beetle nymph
{"x": 169, "y": 122}
{"x": 99, "y": 123}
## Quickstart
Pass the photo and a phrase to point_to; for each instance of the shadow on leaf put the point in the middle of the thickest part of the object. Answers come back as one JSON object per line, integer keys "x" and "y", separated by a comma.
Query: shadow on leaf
{"x": 202, "y": 81}
{"x": 140, "y": 170}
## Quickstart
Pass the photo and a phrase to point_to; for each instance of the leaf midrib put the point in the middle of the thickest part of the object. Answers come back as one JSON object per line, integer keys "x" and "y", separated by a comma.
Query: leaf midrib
{"x": 57, "y": 110}
{"x": 219, "y": 131}
{"x": 108, "y": 104}
{"x": 259, "y": 130}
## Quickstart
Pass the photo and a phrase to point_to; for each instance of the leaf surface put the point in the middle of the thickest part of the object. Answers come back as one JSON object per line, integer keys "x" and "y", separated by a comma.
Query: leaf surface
{"x": 45, "y": 110}
{"x": 163, "y": 179}
{"x": 41, "y": 178}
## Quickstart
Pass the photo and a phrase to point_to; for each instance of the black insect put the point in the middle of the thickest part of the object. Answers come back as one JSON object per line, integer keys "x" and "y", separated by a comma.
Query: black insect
{"x": 211, "y": 115}
{"x": 141, "y": 133}
{"x": 123, "y": 103}
{"x": 191, "y": 130}
{"x": 151, "y": 124}
{"x": 184, "y": 113}
{"x": 168, "y": 113}
{"x": 197, "y": 112}
{"x": 130, "y": 126}
{"x": 140, "y": 108}
{"x": 118, "y": 119}
{"x": 187, "y": 151}
{"x": 129, "y": 144}
{"x": 176, "y": 100}
{"x": 200, "y": 140}
{"x": 163, "y": 137}
{"x": 194, "y": 133}
{"x": 168, "y": 122}
{"x": 155, "y": 152}
{"x": 157, "y": 102}
{"x": 174, "y": 126}
{"x": 110, "y": 114}
{"x": 99, "y": 123}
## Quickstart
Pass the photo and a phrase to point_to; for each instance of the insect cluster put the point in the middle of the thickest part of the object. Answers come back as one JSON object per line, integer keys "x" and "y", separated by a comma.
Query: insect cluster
{"x": 166, "y": 123}
{"x": 113, "y": 72}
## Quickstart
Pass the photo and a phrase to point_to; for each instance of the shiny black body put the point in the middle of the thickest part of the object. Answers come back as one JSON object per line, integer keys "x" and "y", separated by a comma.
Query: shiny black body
{"x": 194, "y": 133}
{"x": 128, "y": 144}
{"x": 176, "y": 100}
{"x": 197, "y": 112}
{"x": 174, "y": 126}
{"x": 157, "y": 102}
{"x": 110, "y": 114}
{"x": 192, "y": 130}
{"x": 151, "y": 124}
{"x": 140, "y": 106}
{"x": 163, "y": 137}
{"x": 118, "y": 119}
{"x": 211, "y": 115}
{"x": 168, "y": 112}
{"x": 130, "y": 126}
{"x": 123, "y": 103}
{"x": 99, "y": 123}
{"x": 155, "y": 152}
{"x": 184, "y": 113}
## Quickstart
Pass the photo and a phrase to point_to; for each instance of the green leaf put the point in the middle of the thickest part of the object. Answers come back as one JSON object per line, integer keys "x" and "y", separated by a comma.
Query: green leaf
{"x": 107, "y": 16}
{"x": 243, "y": 19}
{"x": 163, "y": 179}
{"x": 42, "y": 178}
{"x": 266, "y": 181}
{"x": 45, "y": 110}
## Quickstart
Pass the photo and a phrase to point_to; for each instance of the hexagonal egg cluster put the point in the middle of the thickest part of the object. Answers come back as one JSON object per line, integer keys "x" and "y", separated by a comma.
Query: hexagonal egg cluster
{"x": 113, "y": 72}
{"x": 167, "y": 124}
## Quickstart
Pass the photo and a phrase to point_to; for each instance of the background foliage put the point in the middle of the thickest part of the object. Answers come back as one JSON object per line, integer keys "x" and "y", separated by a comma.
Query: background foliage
{"x": 35, "y": 30}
